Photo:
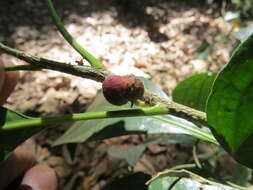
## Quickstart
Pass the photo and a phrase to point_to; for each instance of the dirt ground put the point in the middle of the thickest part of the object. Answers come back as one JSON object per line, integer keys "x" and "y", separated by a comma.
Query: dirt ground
{"x": 155, "y": 39}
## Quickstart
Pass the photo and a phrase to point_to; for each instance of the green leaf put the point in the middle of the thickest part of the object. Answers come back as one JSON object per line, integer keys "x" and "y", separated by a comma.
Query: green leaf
{"x": 166, "y": 183}
{"x": 131, "y": 154}
{"x": 10, "y": 139}
{"x": 82, "y": 131}
{"x": 230, "y": 105}
{"x": 182, "y": 180}
{"x": 169, "y": 139}
{"x": 194, "y": 91}
{"x": 181, "y": 126}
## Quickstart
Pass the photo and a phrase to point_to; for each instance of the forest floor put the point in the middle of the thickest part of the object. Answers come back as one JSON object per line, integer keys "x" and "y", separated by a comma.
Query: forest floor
{"x": 158, "y": 40}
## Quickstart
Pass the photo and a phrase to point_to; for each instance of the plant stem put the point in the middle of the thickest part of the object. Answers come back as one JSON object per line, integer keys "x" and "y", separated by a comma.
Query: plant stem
{"x": 81, "y": 71}
{"x": 22, "y": 68}
{"x": 179, "y": 110}
{"x": 151, "y": 111}
{"x": 45, "y": 121}
{"x": 94, "y": 62}
{"x": 192, "y": 115}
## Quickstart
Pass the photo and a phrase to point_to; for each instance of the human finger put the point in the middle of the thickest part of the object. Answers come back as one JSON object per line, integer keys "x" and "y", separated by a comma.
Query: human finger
{"x": 40, "y": 177}
{"x": 1, "y": 75}
{"x": 9, "y": 82}
{"x": 15, "y": 166}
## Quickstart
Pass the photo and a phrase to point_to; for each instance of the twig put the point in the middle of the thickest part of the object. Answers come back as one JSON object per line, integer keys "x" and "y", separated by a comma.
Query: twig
{"x": 195, "y": 155}
{"x": 81, "y": 71}
{"x": 22, "y": 68}
{"x": 94, "y": 62}
{"x": 192, "y": 115}
{"x": 179, "y": 110}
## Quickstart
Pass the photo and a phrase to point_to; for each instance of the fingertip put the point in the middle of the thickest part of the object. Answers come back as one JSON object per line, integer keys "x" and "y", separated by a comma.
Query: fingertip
{"x": 40, "y": 177}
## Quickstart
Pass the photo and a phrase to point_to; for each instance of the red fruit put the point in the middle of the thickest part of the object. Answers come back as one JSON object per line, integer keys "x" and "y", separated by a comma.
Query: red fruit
{"x": 114, "y": 90}
{"x": 118, "y": 90}
{"x": 135, "y": 88}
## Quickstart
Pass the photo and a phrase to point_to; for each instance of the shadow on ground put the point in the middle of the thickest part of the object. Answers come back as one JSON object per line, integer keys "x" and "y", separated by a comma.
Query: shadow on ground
{"x": 132, "y": 13}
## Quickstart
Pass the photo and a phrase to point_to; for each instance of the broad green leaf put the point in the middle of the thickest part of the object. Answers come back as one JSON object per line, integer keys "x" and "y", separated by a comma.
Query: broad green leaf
{"x": 130, "y": 154}
{"x": 182, "y": 180}
{"x": 230, "y": 105}
{"x": 194, "y": 91}
{"x": 169, "y": 139}
{"x": 106, "y": 128}
{"x": 9, "y": 140}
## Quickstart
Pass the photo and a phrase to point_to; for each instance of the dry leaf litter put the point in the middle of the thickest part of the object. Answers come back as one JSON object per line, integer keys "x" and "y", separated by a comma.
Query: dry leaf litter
{"x": 125, "y": 47}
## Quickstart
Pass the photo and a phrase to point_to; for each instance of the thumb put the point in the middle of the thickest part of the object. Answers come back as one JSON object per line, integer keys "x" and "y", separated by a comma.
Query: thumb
{"x": 9, "y": 82}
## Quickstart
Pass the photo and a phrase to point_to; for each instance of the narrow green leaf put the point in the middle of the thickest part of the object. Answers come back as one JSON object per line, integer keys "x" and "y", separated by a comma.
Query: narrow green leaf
{"x": 169, "y": 139}
{"x": 9, "y": 140}
{"x": 181, "y": 126}
{"x": 194, "y": 91}
{"x": 230, "y": 105}
{"x": 94, "y": 62}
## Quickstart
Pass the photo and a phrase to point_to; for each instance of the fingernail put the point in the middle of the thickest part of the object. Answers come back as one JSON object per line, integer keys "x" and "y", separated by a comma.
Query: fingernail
{"x": 25, "y": 187}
